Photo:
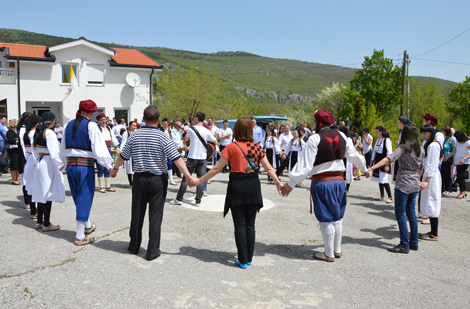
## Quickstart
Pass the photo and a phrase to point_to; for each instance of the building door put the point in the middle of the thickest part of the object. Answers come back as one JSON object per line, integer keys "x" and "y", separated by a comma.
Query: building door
{"x": 3, "y": 108}
{"x": 121, "y": 114}
{"x": 38, "y": 110}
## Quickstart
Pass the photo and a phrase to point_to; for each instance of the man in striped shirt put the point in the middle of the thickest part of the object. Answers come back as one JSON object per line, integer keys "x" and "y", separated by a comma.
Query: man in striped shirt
{"x": 149, "y": 148}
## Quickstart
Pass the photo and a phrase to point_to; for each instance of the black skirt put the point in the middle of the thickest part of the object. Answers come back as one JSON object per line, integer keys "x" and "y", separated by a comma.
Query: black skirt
{"x": 243, "y": 189}
{"x": 14, "y": 155}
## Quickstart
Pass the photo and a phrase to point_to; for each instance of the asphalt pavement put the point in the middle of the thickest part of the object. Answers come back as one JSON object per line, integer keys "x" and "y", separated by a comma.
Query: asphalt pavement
{"x": 197, "y": 269}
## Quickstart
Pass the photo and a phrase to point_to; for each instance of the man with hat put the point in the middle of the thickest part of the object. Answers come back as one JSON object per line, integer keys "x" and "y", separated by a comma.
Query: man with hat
{"x": 322, "y": 161}
{"x": 82, "y": 144}
{"x": 104, "y": 178}
{"x": 432, "y": 120}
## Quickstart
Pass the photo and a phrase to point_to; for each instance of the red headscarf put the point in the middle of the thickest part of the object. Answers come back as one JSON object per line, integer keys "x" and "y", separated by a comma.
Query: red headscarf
{"x": 102, "y": 115}
{"x": 323, "y": 118}
{"x": 87, "y": 106}
{"x": 431, "y": 118}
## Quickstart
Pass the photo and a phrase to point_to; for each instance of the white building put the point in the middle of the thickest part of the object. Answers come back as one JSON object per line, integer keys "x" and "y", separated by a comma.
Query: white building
{"x": 37, "y": 79}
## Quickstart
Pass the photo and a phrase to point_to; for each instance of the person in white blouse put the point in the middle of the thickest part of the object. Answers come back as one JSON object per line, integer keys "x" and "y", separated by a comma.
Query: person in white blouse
{"x": 431, "y": 185}
{"x": 292, "y": 151}
{"x": 128, "y": 164}
{"x": 224, "y": 135}
{"x": 322, "y": 160}
{"x": 432, "y": 120}
{"x": 104, "y": 178}
{"x": 462, "y": 161}
{"x": 367, "y": 145}
{"x": 382, "y": 148}
{"x": 271, "y": 146}
{"x": 178, "y": 144}
{"x": 284, "y": 140}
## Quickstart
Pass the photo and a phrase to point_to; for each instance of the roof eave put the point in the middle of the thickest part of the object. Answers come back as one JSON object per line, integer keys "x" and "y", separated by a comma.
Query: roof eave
{"x": 49, "y": 59}
{"x": 115, "y": 64}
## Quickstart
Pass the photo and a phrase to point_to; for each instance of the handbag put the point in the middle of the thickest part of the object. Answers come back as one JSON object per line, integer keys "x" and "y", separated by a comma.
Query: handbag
{"x": 252, "y": 167}
{"x": 210, "y": 146}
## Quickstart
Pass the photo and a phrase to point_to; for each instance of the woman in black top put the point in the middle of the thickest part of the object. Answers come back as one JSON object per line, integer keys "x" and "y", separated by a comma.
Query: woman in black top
{"x": 13, "y": 151}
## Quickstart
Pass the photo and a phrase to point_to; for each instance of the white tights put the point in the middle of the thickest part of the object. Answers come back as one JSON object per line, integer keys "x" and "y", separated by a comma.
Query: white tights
{"x": 81, "y": 226}
{"x": 332, "y": 233}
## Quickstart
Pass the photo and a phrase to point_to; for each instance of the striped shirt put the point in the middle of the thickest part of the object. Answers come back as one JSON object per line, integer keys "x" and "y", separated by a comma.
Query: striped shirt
{"x": 149, "y": 148}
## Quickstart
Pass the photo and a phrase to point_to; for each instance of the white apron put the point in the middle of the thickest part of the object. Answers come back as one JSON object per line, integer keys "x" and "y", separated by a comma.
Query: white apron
{"x": 431, "y": 196}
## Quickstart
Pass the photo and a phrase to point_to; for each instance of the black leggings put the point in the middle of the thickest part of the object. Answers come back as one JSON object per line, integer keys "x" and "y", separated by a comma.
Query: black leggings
{"x": 434, "y": 225}
{"x": 244, "y": 217}
{"x": 44, "y": 213}
{"x": 27, "y": 201}
{"x": 445, "y": 175}
{"x": 129, "y": 177}
{"x": 385, "y": 186}
{"x": 461, "y": 169}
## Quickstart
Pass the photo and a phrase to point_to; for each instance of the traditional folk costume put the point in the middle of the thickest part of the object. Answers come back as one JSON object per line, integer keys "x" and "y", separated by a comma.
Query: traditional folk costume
{"x": 292, "y": 152}
{"x": 128, "y": 170}
{"x": 382, "y": 148}
{"x": 322, "y": 160}
{"x": 272, "y": 148}
{"x": 104, "y": 178}
{"x": 47, "y": 182}
{"x": 28, "y": 172}
{"x": 81, "y": 145}
{"x": 22, "y": 155}
{"x": 349, "y": 171}
{"x": 169, "y": 164}
{"x": 431, "y": 195}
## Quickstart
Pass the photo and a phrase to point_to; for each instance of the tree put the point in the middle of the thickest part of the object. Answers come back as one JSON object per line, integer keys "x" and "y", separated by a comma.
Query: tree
{"x": 331, "y": 99}
{"x": 185, "y": 92}
{"x": 378, "y": 82}
{"x": 460, "y": 103}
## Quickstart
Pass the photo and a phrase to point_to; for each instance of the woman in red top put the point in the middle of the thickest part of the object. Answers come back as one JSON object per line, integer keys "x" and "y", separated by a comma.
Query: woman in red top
{"x": 244, "y": 190}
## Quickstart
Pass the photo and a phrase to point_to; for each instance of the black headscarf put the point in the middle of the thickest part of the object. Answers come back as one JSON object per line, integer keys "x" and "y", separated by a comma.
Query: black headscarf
{"x": 405, "y": 120}
{"x": 23, "y": 119}
{"x": 46, "y": 119}
{"x": 31, "y": 122}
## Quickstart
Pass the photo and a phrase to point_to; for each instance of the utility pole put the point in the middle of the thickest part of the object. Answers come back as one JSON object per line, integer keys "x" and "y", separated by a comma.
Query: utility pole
{"x": 403, "y": 83}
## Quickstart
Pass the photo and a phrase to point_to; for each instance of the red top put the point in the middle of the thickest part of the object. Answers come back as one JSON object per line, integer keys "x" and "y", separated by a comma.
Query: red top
{"x": 238, "y": 162}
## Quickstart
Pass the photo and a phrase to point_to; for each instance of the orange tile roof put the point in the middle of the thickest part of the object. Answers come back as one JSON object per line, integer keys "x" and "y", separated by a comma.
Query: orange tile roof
{"x": 23, "y": 50}
{"x": 133, "y": 57}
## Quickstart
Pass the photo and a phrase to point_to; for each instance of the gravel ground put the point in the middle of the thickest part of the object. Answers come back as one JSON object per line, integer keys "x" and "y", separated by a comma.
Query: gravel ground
{"x": 197, "y": 267}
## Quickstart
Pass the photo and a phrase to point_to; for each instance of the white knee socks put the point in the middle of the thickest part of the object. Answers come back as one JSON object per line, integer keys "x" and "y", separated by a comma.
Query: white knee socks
{"x": 328, "y": 232}
{"x": 338, "y": 225}
{"x": 170, "y": 175}
{"x": 81, "y": 226}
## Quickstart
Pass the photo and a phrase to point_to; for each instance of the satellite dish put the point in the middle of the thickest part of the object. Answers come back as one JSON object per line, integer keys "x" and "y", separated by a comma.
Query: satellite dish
{"x": 133, "y": 80}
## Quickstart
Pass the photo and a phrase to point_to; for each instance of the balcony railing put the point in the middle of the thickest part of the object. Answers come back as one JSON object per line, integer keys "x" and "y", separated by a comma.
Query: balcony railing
{"x": 7, "y": 76}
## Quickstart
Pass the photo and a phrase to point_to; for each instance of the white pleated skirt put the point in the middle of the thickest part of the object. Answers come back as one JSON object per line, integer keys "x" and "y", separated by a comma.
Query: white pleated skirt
{"x": 48, "y": 182}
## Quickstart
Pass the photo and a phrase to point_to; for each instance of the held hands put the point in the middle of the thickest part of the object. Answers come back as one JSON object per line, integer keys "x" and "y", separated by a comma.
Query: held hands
{"x": 113, "y": 172}
{"x": 368, "y": 173}
{"x": 285, "y": 190}
{"x": 423, "y": 185}
{"x": 193, "y": 182}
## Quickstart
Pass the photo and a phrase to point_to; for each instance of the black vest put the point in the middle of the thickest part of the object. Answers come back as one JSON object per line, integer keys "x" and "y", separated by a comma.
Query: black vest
{"x": 331, "y": 147}
{"x": 41, "y": 141}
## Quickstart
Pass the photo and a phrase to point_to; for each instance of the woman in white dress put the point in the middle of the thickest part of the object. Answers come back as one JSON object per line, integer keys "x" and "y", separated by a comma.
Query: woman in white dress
{"x": 128, "y": 164}
{"x": 48, "y": 182}
{"x": 382, "y": 148}
{"x": 293, "y": 150}
{"x": 271, "y": 146}
{"x": 432, "y": 183}
{"x": 28, "y": 172}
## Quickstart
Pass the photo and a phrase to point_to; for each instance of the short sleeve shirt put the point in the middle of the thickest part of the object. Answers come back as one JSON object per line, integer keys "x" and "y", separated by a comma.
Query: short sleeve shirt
{"x": 238, "y": 161}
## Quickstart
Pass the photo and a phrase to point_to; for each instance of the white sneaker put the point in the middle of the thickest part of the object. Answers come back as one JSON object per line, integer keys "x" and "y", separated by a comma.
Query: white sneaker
{"x": 198, "y": 204}
{"x": 204, "y": 193}
{"x": 176, "y": 202}
{"x": 172, "y": 183}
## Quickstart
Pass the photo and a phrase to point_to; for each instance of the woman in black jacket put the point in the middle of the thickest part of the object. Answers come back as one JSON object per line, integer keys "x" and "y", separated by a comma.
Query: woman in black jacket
{"x": 13, "y": 151}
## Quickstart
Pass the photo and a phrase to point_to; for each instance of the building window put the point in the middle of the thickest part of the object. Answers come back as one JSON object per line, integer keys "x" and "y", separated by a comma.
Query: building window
{"x": 66, "y": 72}
{"x": 95, "y": 74}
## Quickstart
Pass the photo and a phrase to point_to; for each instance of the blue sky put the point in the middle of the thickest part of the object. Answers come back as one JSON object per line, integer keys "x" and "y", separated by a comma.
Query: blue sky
{"x": 333, "y": 32}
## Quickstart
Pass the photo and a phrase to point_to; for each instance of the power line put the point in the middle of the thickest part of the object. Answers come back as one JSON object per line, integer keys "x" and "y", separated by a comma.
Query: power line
{"x": 451, "y": 62}
{"x": 443, "y": 43}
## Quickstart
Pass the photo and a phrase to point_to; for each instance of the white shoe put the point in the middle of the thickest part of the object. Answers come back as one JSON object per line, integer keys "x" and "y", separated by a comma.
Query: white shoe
{"x": 204, "y": 193}
{"x": 176, "y": 202}
{"x": 198, "y": 204}
{"x": 172, "y": 183}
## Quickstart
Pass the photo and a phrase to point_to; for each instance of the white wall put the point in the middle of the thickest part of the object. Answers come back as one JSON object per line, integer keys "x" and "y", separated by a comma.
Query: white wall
{"x": 42, "y": 82}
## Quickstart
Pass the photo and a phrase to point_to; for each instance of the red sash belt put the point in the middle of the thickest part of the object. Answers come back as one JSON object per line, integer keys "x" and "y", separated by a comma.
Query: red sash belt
{"x": 327, "y": 176}
{"x": 80, "y": 161}
{"x": 108, "y": 144}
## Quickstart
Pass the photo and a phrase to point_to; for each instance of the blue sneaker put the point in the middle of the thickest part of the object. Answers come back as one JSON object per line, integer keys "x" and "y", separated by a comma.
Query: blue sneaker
{"x": 244, "y": 266}
{"x": 248, "y": 263}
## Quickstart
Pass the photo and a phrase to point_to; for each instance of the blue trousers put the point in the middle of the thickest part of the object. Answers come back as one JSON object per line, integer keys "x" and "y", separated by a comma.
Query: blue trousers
{"x": 329, "y": 200}
{"x": 405, "y": 208}
{"x": 102, "y": 171}
{"x": 82, "y": 186}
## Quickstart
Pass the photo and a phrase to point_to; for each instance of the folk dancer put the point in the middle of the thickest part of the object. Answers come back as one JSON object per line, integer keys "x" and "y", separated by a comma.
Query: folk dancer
{"x": 22, "y": 156}
{"x": 128, "y": 170}
{"x": 348, "y": 174}
{"x": 284, "y": 140}
{"x": 47, "y": 183}
{"x": 82, "y": 144}
{"x": 104, "y": 178}
{"x": 322, "y": 160}
{"x": 28, "y": 172}
{"x": 382, "y": 148}
{"x": 271, "y": 146}
{"x": 292, "y": 151}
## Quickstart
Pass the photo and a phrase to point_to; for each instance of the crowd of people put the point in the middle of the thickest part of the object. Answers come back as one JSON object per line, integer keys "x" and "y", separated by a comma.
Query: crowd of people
{"x": 333, "y": 155}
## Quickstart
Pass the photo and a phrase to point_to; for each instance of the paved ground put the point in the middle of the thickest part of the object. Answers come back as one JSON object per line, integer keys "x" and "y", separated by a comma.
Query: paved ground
{"x": 197, "y": 266}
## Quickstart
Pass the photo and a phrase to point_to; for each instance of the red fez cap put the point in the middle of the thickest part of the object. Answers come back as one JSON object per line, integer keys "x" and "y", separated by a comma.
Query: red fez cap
{"x": 323, "y": 118}
{"x": 102, "y": 115}
{"x": 87, "y": 106}
{"x": 431, "y": 118}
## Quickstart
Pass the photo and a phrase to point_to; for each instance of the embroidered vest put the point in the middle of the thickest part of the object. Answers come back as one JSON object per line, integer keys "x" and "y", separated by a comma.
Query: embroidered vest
{"x": 76, "y": 134}
{"x": 331, "y": 147}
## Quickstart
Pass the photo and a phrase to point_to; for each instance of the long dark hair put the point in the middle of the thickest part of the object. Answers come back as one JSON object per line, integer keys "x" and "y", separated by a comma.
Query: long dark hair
{"x": 46, "y": 120}
{"x": 384, "y": 131}
{"x": 460, "y": 137}
{"x": 409, "y": 140}
{"x": 428, "y": 128}
{"x": 22, "y": 120}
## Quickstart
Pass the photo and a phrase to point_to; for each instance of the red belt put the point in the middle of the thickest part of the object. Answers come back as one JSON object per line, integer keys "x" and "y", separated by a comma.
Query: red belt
{"x": 327, "y": 176}
{"x": 42, "y": 154}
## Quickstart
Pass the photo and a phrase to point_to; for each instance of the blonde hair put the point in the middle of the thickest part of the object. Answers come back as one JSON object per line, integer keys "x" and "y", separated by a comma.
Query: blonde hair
{"x": 360, "y": 149}
{"x": 13, "y": 123}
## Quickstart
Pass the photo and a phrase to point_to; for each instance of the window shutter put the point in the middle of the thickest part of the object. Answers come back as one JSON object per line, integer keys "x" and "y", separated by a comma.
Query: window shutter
{"x": 95, "y": 73}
